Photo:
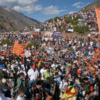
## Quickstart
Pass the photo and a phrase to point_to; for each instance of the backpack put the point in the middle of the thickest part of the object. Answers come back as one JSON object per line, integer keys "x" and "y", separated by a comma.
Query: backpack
{"x": 38, "y": 95}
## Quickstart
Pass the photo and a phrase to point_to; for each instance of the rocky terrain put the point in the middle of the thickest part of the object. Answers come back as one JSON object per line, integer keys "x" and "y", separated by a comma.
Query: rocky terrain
{"x": 11, "y": 20}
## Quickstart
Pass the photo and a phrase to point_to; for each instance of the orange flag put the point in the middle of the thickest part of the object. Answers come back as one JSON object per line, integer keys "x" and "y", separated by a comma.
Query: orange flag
{"x": 19, "y": 49}
{"x": 15, "y": 47}
{"x": 26, "y": 44}
{"x": 94, "y": 60}
{"x": 97, "y": 50}
{"x": 97, "y": 10}
{"x": 87, "y": 64}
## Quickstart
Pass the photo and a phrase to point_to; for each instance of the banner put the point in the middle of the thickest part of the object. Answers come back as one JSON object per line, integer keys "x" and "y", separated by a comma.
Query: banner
{"x": 97, "y": 10}
{"x": 27, "y": 54}
{"x": 37, "y": 30}
{"x": 48, "y": 34}
{"x": 70, "y": 30}
{"x": 18, "y": 49}
{"x": 25, "y": 33}
{"x": 57, "y": 34}
{"x": 5, "y": 45}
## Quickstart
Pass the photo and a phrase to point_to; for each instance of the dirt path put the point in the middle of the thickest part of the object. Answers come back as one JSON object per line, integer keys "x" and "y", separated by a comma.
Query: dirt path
{"x": 78, "y": 35}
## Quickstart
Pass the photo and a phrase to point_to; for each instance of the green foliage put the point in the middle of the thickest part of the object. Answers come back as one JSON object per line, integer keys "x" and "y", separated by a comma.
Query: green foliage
{"x": 81, "y": 30}
{"x": 28, "y": 46}
{"x": 35, "y": 44}
{"x": 50, "y": 20}
{"x": 62, "y": 24}
{"x": 68, "y": 20}
{"x": 74, "y": 21}
{"x": 78, "y": 17}
{"x": 55, "y": 19}
{"x": 3, "y": 42}
{"x": 32, "y": 44}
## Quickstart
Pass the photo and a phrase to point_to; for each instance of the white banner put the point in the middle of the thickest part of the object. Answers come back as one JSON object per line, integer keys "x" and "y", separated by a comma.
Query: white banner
{"x": 5, "y": 45}
{"x": 27, "y": 54}
{"x": 37, "y": 30}
{"x": 70, "y": 30}
{"x": 25, "y": 33}
{"x": 48, "y": 33}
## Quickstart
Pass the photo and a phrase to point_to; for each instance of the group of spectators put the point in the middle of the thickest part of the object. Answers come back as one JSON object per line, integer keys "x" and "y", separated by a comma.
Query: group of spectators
{"x": 69, "y": 71}
{"x": 85, "y": 18}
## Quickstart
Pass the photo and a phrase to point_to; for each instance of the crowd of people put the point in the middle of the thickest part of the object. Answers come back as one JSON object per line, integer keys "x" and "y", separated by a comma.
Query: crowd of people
{"x": 85, "y": 18}
{"x": 69, "y": 70}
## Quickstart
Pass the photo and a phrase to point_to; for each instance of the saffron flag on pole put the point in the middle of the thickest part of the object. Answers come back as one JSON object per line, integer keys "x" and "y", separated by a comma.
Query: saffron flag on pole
{"x": 97, "y": 10}
{"x": 15, "y": 47}
{"x": 18, "y": 49}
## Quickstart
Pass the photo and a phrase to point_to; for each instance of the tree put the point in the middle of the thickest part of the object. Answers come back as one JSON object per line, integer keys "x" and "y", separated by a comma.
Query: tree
{"x": 82, "y": 29}
{"x": 32, "y": 44}
{"x": 28, "y": 46}
{"x": 50, "y": 20}
{"x": 68, "y": 20}
{"x": 78, "y": 17}
{"x": 3, "y": 42}
{"x": 74, "y": 21}
{"x": 55, "y": 19}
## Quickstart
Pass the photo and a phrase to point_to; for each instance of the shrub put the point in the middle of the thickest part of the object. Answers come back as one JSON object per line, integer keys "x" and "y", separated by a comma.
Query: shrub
{"x": 82, "y": 29}
{"x": 74, "y": 21}
{"x": 50, "y": 20}
{"x": 35, "y": 44}
{"x": 55, "y": 19}
{"x": 30, "y": 45}
{"x": 3, "y": 42}
{"x": 68, "y": 20}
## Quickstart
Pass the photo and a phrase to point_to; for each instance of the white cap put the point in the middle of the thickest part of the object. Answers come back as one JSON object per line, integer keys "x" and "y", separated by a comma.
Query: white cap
{"x": 4, "y": 80}
{"x": 2, "y": 57}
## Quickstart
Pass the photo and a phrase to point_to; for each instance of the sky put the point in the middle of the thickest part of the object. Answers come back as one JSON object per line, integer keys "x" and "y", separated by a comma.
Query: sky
{"x": 45, "y": 9}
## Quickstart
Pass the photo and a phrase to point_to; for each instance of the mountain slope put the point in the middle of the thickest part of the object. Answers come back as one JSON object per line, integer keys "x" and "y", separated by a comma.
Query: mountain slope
{"x": 92, "y": 6}
{"x": 11, "y": 20}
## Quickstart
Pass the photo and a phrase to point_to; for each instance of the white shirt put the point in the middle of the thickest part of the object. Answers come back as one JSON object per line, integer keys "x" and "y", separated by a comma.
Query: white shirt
{"x": 12, "y": 67}
{"x": 91, "y": 43}
{"x": 21, "y": 72}
{"x": 36, "y": 73}
{"x": 42, "y": 72}
{"x": 53, "y": 65}
{"x": 22, "y": 66}
{"x": 70, "y": 42}
{"x": 31, "y": 74}
{"x": 20, "y": 98}
{"x": 63, "y": 85}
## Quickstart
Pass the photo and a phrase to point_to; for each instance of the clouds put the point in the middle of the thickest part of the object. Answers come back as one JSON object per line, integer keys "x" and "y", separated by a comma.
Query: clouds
{"x": 28, "y": 6}
{"x": 52, "y": 10}
{"x": 72, "y": 12}
{"x": 78, "y": 5}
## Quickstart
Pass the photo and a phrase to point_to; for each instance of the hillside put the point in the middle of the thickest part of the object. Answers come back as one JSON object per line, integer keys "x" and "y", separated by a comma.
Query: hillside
{"x": 92, "y": 6}
{"x": 11, "y": 20}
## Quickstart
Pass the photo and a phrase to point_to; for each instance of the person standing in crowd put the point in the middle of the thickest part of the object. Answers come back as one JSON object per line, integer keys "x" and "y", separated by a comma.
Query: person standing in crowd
{"x": 20, "y": 82}
{"x": 65, "y": 68}
{"x": 47, "y": 74}
{"x": 42, "y": 72}
{"x": 37, "y": 92}
{"x": 21, "y": 94}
